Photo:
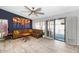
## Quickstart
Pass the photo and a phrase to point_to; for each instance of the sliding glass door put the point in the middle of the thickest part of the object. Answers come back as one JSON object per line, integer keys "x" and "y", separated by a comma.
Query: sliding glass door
{"x": 3, "y": 27}
{"x": 60, "y": 29}
{"x": 54, "y": 29}
{"x": 50, "y": 28}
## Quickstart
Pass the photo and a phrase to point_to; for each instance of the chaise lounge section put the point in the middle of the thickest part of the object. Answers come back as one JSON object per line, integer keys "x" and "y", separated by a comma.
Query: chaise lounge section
{"x": 37, "y": 33}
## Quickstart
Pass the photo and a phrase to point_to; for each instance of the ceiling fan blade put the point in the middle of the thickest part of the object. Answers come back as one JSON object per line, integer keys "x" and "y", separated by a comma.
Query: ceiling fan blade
{"x": 38, "y": 9}
{"x": 25, "y": 11}
{"x": 39, "y": 13}
{"x": 29, "y": 14}
{"x": 35, "y": 14}
{"x": 27, "y": 8}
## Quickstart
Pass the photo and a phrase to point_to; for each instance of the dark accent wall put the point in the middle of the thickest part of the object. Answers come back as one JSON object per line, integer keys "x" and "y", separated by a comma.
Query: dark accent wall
{"x": 9, "y": 16}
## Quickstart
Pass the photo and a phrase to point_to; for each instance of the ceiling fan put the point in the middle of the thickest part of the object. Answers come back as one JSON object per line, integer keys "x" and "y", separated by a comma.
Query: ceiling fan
{"x": 34, "y": 11}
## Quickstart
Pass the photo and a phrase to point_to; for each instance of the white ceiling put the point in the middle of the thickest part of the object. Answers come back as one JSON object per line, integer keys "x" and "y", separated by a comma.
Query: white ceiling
{"x": 48, "y": 10}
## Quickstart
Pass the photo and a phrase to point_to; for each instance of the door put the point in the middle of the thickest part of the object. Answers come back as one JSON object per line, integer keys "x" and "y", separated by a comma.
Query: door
{"x": 50, "y": 28}
{"x": 60, "y": 29}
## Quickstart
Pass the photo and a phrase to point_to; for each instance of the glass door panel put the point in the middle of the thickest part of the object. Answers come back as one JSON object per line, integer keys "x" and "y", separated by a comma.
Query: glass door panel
{"x": 50, "y": 29}
{"x": 59, "y": 29}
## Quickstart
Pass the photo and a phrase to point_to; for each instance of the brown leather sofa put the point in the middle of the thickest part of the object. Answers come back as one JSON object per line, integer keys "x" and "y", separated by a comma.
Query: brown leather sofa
{"x": 21, "y": 33}
{"x": 37, "y": 33}
{"x": 26, "y": 32}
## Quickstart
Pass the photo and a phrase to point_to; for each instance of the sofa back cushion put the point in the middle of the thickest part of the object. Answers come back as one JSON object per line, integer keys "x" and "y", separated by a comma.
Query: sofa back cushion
{"x": 37, "y": 31}
{"x": 17, "y": 32}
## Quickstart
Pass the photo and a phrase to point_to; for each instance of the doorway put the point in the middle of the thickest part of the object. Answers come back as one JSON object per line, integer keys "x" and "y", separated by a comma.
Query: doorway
{"x": 60, "y": 29}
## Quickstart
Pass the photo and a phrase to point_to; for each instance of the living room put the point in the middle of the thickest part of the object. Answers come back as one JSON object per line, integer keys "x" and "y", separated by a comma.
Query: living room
{"x": 35, "y": 29}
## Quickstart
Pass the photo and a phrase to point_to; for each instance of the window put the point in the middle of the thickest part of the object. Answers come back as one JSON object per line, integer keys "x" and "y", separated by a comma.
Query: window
{"x": 40, "y": 25}
{"x": 3, "y": 27}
